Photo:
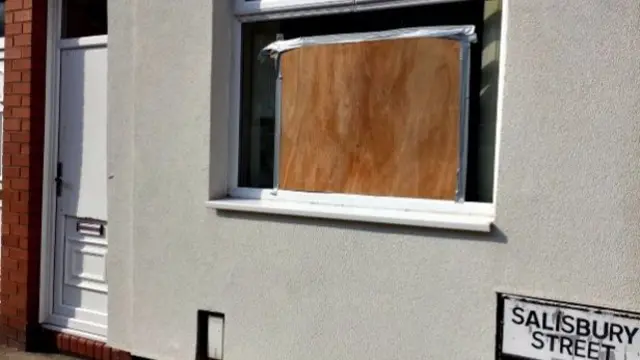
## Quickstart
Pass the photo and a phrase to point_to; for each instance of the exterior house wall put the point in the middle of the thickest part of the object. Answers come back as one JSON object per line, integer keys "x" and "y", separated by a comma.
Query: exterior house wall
{"x": 296, "y": 288}
{"x": 120, "y": 139}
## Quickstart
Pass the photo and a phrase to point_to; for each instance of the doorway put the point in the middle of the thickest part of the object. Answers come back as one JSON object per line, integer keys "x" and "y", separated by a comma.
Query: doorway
{"x": 78, "y": 290}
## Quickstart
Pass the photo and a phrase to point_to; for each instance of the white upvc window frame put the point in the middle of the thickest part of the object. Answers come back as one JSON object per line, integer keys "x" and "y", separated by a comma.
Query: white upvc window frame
{"x": 281, "y": 7}
{"x": 470, "y": 216}
{"x": 244, "y": 7}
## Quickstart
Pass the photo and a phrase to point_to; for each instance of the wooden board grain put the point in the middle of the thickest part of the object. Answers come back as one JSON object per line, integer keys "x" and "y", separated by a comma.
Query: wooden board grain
{"x": 372, "y": 118}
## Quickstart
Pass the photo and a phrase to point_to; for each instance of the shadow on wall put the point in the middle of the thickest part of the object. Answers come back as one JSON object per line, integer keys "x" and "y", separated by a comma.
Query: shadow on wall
{"x": 71, "y": 137}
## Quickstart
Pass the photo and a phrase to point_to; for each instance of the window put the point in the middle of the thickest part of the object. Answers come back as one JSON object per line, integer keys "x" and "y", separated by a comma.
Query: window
{"x": 2, "y": 18}
{"x": 372, "y": 124}
{"x": 84, "y": 18}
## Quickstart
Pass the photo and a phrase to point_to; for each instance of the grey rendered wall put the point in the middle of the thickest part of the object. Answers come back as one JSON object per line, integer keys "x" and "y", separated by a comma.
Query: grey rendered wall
{"x": 567, "y": 226}
{"x": 120, "y": 125}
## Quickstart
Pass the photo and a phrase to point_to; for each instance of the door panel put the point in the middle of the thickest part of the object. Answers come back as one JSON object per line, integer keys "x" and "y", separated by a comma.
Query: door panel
{"x": 83, "y": 127}
{"x": 80, "y": 291}
{"x": 80, "y": 284}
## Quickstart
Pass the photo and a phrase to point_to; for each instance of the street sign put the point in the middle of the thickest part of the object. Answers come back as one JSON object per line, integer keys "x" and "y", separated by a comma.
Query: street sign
{"x": 549, "y": 330}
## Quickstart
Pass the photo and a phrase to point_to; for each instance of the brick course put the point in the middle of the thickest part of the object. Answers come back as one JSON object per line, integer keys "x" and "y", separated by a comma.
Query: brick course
{"x": 54, "y": 341}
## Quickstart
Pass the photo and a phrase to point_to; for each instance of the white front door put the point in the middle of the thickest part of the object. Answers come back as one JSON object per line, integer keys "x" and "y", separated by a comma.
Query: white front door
{"x": 80, "y": 273}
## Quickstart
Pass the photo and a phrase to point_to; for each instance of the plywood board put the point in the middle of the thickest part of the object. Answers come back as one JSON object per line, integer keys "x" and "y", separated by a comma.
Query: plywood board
{"x": 372, "y": 118}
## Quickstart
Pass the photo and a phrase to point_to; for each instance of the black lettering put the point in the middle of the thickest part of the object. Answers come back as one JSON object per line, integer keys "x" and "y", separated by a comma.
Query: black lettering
{"x": 552, "y": 339}
{"x": 538, "y": 342}
{"x": 582, "y": 327}
{"x": 579, "y": 347}
{"x": 532, "y": 319}
{"x": 608, "y": 348}
{"x": 630, "y": 334}
{"x": 556, "y": 320}
{"x": 565, "y": 343}
{"x": 545, "y": 325}
{"x": 567, "y": 326}
{"x": 517, "y": 312}
{"x": 616, "y": 330}
{"x": 605, "y": 330}
{"x": 592, "y": 351}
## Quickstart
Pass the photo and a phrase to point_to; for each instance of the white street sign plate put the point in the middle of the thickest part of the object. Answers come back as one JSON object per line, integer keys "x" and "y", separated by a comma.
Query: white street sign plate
{"x": 549, "y": 330}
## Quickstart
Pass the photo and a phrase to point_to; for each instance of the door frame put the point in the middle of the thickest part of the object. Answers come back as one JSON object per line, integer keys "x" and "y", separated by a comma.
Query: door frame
{"x": 49, "y": 198}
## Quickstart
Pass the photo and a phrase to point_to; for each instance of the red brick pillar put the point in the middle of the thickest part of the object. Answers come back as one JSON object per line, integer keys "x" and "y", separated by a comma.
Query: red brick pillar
{"x": 23, "y": 135}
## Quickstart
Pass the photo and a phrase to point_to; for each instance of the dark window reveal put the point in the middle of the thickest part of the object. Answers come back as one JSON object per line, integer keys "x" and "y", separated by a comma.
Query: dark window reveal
{"x": 2, "y": 18}
{"x": 84, "y": 18}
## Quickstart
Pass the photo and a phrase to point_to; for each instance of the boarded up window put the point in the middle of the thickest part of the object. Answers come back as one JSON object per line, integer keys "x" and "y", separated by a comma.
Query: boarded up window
{"x": 373, "y": 118}
{"x": 258, "y": 159}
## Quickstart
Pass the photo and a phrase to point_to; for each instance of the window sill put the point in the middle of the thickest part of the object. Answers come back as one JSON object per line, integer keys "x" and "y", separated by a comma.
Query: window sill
{"x": 453, "y": 221}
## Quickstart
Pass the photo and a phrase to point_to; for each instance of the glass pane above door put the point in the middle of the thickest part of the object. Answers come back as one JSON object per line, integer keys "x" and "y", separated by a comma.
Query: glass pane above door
{"x": 84, "y": 18}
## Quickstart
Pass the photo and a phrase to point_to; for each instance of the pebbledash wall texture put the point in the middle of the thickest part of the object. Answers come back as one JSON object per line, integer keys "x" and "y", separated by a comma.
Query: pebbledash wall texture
{"x": 292, "y": 288}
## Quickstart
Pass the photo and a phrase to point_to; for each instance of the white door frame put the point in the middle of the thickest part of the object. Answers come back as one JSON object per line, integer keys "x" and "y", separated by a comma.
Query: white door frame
{"x": 52, "y": 123}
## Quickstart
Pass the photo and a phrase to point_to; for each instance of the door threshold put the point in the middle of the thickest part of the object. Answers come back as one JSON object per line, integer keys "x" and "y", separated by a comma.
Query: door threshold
{"x": 88, "y": 331}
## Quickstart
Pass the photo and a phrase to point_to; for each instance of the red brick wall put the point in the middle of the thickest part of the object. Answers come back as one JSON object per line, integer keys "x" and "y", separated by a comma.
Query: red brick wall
{"x": 25, "y": 66}
{"x": 77, "y": 346}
